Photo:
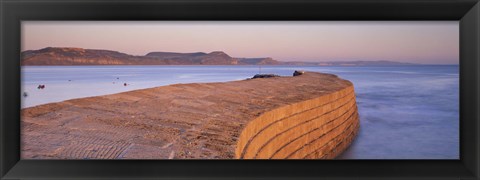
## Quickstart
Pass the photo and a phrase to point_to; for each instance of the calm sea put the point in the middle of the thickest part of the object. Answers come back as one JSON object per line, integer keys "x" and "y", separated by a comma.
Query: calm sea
{"x": 406, "y": 112}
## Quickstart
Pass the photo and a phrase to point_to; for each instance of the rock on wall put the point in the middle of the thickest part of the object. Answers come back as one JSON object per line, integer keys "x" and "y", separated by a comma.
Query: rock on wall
{"x": 319, "y": 128}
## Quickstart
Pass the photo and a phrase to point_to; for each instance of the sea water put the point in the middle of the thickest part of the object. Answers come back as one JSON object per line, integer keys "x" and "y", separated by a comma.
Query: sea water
{"x": 406, "y": 112}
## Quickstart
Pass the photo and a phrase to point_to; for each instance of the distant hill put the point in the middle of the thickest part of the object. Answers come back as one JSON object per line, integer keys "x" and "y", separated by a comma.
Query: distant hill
{"x": 200, "y": 58}
{"x": 258, "y": 61}
{"x": 79, "y": 56}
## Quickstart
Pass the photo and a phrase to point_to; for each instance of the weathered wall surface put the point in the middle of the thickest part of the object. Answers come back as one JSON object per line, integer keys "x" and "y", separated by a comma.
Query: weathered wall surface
{"x": 319, "y": 128}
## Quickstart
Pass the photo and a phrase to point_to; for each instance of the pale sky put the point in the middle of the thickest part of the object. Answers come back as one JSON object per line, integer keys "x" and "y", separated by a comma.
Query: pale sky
{"x": 426, "y": 42}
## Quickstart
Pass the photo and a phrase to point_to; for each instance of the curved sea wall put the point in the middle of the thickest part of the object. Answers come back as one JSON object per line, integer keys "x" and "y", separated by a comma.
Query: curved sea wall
{"x": 319, "y": 128}
{"x": 312, "y": 115}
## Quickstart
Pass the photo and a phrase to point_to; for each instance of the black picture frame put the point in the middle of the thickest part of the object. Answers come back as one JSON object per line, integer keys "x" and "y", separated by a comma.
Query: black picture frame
{"x": 12, "y": 12}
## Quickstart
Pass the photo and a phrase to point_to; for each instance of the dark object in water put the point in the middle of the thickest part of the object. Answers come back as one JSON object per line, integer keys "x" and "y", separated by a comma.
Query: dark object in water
{"x": 41, "y": 86}
{"x": 25, "y": 94}
{"x": 265, "y": 76}
{"x": 298, "y": 73}
{"x": 124, "y": 84}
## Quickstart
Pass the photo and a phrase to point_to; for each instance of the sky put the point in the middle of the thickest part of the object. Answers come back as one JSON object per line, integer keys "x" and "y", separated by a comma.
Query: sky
{"x": 424, "y": 42}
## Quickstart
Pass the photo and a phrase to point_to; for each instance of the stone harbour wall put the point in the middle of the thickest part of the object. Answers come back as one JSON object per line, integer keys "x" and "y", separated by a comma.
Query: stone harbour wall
{"x": 319, "y": 128}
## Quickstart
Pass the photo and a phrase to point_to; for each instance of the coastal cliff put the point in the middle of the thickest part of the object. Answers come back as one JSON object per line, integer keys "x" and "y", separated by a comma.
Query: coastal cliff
{"x": 63, "y": 56}
{"x": 311, "y": 116}
{"x": 54, "y": 56}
